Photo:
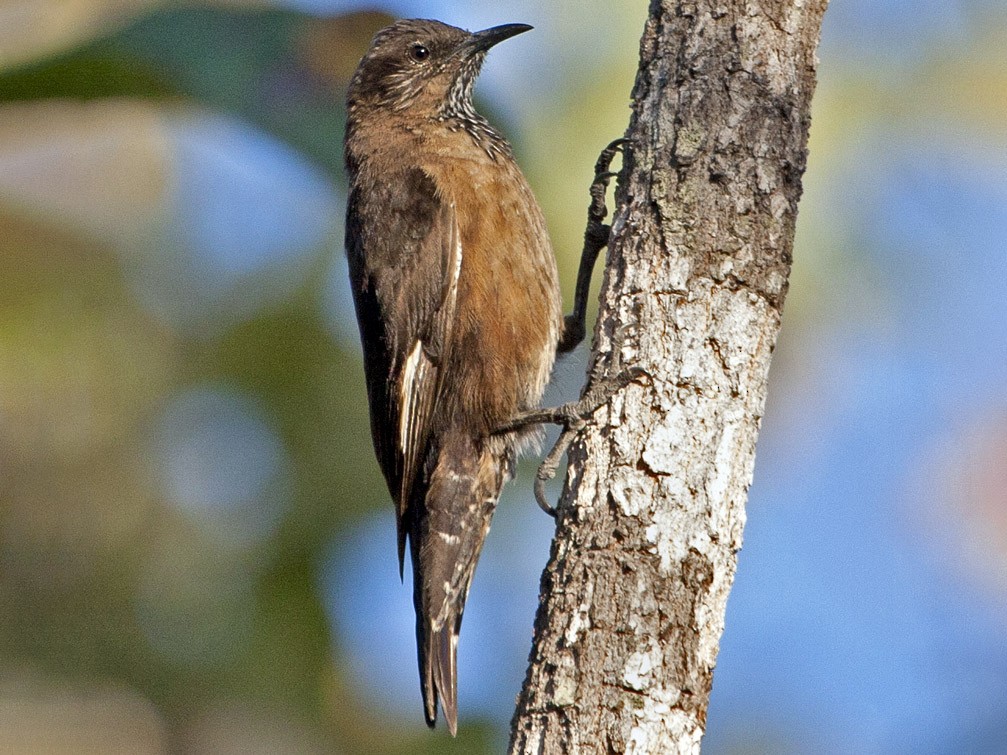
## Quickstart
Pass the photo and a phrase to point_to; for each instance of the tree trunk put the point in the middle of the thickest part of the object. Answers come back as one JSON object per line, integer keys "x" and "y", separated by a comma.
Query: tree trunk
{"x": 650, "y": 522}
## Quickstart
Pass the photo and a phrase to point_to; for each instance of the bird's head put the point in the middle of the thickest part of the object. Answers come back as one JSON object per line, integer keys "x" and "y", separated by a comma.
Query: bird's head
{"x": 424, "y": 66}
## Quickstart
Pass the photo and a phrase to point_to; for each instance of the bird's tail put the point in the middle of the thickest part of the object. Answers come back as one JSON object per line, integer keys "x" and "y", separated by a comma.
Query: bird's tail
{"x": 445, "y": 540}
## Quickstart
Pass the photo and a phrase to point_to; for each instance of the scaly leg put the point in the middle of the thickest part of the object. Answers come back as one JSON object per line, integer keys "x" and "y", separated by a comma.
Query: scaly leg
{"x": 595, "y": 239}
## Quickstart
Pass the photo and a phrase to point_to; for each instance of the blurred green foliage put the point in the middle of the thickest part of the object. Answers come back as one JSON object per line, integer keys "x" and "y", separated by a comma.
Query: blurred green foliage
{"x": 88, "y": 368}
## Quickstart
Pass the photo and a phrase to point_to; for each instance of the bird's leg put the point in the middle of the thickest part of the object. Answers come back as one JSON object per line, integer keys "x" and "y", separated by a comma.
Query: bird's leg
{"x": 573, "y": 416}
{"x": 595, "y": 239}
{"x": 602, "y": 383}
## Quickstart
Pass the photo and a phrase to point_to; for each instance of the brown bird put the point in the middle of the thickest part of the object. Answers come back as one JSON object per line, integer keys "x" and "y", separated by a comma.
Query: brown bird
{"x": 459, "y": 309}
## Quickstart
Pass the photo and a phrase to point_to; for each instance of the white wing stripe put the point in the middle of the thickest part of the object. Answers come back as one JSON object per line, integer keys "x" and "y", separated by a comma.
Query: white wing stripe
{"x": 417, "y": 391}
{"x": 456, "y": 264}
{"x": 407, "y": 393}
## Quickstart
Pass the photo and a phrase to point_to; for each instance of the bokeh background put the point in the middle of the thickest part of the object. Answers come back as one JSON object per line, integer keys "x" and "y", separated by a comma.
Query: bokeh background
{"x": 196, "y": 547}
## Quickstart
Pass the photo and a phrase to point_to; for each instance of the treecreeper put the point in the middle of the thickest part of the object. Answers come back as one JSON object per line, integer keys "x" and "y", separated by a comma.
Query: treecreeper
{"x": 458, "y": 302}
{"x": 459, "y": 309}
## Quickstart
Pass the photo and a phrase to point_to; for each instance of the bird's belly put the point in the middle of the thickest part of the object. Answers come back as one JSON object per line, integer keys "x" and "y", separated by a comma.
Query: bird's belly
{"x": 507, "y": 336}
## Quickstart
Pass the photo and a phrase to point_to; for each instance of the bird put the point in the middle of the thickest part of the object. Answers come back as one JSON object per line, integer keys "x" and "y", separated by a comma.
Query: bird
{"x": 458, "y": 304}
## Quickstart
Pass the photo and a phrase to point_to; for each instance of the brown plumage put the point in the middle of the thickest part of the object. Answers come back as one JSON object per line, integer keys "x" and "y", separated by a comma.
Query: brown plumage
{"x": 458, "y": 304}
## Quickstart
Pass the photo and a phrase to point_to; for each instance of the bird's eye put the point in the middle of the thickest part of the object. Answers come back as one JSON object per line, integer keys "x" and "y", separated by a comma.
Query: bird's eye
{"x": 419, "y": 53}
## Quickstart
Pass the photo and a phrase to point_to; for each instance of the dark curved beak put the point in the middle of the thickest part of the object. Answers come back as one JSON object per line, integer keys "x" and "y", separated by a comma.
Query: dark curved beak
{"x": 485, "y": 39}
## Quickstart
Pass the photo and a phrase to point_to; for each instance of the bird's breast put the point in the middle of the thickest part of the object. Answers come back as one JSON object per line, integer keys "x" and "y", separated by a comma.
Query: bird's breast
{"x": 509, "y": 305}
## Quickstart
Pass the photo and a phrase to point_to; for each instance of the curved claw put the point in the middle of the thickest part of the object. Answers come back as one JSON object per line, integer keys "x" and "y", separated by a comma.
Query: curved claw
{"x": 605, "y": 158}
{"x": 540, "y": 496}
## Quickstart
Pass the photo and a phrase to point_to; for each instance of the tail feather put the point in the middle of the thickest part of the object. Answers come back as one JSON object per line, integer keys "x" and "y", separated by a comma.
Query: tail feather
{"x": 438, "y": 651}
{"x": 445, "y": 540}
{"x": 444, "y": 644}
{"x": 425, "y": 656}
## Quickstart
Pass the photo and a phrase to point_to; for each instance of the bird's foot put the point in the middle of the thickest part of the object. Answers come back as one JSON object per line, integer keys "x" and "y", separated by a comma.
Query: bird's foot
{"x": 579, "y": 412}
{"x": 572, "y": 417}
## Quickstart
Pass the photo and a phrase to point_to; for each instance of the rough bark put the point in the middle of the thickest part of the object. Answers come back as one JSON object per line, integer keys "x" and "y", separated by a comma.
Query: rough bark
{"x": 651, "y": 518}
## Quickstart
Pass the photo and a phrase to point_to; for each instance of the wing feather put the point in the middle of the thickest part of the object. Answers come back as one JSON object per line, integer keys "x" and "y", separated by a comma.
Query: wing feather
{"x": 405, "y": 257}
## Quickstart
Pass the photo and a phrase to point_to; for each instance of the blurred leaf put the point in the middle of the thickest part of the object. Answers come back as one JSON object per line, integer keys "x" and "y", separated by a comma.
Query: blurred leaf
{"x": 85, "y": 75}
{"x": 316, "y": 393}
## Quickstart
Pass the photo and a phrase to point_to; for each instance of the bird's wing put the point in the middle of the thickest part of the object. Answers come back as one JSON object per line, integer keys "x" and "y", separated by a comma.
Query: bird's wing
{"x": 405, "y": 257}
